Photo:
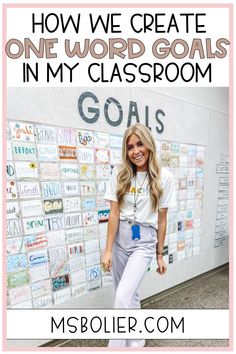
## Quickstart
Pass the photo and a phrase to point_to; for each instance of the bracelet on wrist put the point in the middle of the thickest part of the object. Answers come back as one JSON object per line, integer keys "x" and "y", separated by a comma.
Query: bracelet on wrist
{"x": 160, "y": 253}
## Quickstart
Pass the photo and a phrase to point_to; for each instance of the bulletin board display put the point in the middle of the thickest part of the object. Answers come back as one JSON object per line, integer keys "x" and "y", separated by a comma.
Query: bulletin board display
{"x": 57, "y": 217}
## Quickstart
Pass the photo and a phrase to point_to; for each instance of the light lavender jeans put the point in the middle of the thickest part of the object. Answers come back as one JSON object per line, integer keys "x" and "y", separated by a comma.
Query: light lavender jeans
{"x": 130, "y": 262}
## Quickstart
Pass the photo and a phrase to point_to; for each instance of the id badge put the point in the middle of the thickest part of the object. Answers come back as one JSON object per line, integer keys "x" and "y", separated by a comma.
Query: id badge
{"x": 135, "y": 232}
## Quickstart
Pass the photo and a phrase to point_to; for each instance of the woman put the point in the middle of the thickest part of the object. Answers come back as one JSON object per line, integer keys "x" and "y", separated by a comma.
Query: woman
{"x": 140, "y": 194}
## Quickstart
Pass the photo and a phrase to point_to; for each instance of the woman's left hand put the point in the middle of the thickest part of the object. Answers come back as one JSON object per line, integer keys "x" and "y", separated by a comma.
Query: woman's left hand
{"x": 161, "y": 265}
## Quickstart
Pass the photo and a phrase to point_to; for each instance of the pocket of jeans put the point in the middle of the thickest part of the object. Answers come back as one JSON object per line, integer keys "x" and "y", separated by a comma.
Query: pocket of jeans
{"x": 153, "y": 233}
{"x": 149, "y": 236}
{"x": 123, "y": 233}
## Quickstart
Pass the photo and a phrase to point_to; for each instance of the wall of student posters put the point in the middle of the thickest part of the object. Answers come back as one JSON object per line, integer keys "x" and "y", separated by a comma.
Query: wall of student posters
{"x": 61, "y": 147}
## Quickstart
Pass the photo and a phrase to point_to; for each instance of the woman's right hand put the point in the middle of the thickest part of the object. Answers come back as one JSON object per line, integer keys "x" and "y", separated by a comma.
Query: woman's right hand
{"x": 107, "y": 261}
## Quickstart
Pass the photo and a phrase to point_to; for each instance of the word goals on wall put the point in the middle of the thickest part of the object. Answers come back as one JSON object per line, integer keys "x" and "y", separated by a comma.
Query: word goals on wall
{"x": 57, "y": 217}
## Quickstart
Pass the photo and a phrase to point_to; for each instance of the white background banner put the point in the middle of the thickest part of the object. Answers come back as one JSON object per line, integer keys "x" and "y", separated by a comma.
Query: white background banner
{"x": 117, "y": 324}
{"x": 146, "y": 46}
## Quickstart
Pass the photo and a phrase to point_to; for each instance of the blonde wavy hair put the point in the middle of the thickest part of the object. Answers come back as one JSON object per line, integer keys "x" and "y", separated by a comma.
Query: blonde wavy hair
{"x": 128, "y": 169}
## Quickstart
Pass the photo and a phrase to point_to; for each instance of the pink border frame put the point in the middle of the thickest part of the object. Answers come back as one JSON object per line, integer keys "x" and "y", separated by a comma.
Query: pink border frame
{"x": 231, "y": 226}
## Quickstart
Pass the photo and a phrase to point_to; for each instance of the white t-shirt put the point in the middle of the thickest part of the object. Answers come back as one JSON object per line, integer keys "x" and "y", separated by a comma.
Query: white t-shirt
{"x": 144, "y": 213}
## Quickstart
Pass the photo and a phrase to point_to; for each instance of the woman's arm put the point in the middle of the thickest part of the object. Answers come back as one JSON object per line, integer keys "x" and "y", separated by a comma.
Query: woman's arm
{"x": 161, "y": 234}
{"x": 113, "y": 223}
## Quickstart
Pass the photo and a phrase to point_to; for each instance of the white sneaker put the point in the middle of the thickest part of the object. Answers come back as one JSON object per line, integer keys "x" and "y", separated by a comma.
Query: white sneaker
{"x": 137, "y": 343}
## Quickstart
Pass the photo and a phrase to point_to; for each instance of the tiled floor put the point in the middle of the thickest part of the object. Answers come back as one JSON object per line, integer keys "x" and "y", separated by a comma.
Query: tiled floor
{"x": 209, "y": 291}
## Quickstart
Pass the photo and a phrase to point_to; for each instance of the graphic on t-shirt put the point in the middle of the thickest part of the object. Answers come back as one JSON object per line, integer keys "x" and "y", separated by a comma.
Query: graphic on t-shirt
{"x": 139, "y": 191}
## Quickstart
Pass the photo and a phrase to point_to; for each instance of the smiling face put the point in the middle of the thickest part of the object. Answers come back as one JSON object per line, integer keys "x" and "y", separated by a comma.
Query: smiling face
{"x": 137, "y": 153}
